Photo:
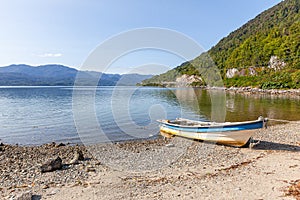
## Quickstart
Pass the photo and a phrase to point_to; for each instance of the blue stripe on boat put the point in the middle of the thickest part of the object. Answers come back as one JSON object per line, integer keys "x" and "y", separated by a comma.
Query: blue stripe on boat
{"x": 237, "y": 127}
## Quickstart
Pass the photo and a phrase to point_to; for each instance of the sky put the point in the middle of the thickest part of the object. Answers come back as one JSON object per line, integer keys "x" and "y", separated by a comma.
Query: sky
{"x": 66, "y": 32}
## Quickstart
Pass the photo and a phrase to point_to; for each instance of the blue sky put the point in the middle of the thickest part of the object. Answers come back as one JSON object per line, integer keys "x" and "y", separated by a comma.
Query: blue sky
{"x": 66, "y": 31}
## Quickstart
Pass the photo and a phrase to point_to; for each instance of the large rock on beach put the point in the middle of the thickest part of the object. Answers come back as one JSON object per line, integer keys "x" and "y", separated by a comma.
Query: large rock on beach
{"x": 60, "y": 145}
{"x": 79, "y": 154}
{"x": 1, "y": 146}
{"x": 77, "y": 157}
{"x": 52, "y": 165}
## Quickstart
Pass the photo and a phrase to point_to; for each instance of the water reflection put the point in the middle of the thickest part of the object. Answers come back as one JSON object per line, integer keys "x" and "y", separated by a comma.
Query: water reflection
{"x": 246, "y": 107}
{"x": 235, "y": 107}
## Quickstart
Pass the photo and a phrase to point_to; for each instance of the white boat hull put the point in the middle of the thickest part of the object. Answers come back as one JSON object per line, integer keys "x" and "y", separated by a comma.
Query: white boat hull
{"x": 232, "y": 138}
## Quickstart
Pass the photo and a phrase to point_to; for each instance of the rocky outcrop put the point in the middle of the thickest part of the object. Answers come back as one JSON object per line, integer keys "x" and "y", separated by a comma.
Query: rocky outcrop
{"x": 276, "y": 64}
{"x": 187, "y": 80}
{"x": 232, "y": 72}
{"x": 250, "y": 71}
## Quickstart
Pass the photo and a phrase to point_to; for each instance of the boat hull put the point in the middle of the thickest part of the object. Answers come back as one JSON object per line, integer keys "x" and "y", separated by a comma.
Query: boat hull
{"x": 229, "y": 133}
{"x": 231, "y": 138}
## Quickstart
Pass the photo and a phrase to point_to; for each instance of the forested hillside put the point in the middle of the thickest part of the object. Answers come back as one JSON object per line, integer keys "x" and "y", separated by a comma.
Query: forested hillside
{"x": 265, "y": 52}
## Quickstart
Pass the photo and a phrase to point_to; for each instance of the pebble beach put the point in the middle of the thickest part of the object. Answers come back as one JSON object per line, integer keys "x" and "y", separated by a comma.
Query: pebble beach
{"x": 174, "y": 168}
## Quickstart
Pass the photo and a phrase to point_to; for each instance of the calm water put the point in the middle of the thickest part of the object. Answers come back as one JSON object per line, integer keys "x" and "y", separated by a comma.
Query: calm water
{"x": 37, "y": 115}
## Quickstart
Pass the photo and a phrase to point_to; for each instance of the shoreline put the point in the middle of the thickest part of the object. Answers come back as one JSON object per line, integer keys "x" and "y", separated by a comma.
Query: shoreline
{"x": 198, "y": 169}
{"x": 256, "y": 91}
{"x": 277, "y": 92}
{"x": 245, "y": 90}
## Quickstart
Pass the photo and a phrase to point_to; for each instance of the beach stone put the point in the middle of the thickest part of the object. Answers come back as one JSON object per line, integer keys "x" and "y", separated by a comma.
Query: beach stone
{"x": 79, "y": 154}
{"x": 52, "y": 165}
{"x": 53, "y": 192}
{"x": 24, "y": 196}
{"x": 90, "y": 169}
{"x": 45, "y": 186}
{"x": 77, "y": 157}
{"x": 2, "y": 146}
{"x": 170, "y": 145}
{"x": 74, "y": 161}
{"x": 60, "y": 145}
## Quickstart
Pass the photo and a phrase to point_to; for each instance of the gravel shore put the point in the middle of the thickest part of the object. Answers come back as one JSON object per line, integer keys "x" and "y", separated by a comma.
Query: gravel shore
{"x": 175, "y": 168}
{"x": 278, "y": 92}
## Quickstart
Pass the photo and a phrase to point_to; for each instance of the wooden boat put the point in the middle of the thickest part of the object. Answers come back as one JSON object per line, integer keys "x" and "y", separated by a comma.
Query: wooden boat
{"x": 236, "y": 134}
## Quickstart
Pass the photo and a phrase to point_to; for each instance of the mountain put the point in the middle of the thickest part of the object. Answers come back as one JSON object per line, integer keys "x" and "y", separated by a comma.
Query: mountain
{"x": 53, "y": 75}
{"x": 265, "y": 52}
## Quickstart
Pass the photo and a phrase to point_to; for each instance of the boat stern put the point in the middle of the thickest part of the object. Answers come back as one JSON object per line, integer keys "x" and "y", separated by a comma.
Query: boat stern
{"x": 264, "y": 120}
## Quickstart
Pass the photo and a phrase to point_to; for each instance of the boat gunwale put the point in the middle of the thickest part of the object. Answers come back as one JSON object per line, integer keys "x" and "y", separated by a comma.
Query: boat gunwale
{"x": 213, "y": 124}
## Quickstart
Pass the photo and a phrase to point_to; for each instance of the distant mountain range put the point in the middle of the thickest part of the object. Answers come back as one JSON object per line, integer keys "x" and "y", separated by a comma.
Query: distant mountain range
{"x": 59, "y": 75}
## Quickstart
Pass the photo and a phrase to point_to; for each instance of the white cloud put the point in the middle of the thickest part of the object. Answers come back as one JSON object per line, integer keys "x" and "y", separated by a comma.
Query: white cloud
{"x": 53, "y": 55}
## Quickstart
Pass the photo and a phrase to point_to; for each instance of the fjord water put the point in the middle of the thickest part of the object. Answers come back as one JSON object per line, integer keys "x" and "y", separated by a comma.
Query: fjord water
{"x": 38, "y": 115}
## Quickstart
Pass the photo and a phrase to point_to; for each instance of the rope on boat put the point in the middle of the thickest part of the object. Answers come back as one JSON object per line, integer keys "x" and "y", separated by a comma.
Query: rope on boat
{"x": 283, "y": 120}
